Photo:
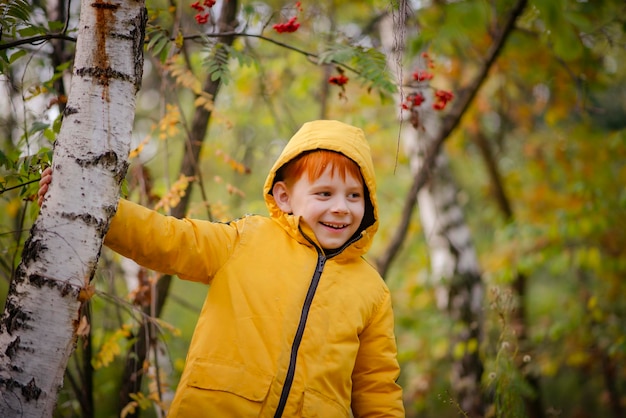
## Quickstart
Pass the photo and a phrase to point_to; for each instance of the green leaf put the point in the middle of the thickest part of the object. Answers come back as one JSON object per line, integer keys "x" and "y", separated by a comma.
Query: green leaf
{"x": 337, "y": 53}
{"x": 18, "y": 9}
{"x": 38, "y": 126}
{"x": 4, "y": 160}
{"x": 56, "y": 26}
{"x": 372, "y": 68}
{"x": 31, "y": 31}
{"x": 159, "y": 43}
{"x": 18, "y": 54}
{"x": 49, "y": 134}
{"x": 566, "y": 42}
{"x": 64, "y": 66}
{"x": 217, "y": 63}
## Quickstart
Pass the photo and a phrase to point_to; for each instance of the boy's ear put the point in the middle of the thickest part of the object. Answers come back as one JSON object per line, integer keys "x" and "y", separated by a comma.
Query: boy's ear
{"x": 281, "y": 196}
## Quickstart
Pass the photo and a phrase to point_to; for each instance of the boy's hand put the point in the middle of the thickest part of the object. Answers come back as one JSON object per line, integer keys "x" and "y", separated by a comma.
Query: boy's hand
{"x": 44, "y": 182}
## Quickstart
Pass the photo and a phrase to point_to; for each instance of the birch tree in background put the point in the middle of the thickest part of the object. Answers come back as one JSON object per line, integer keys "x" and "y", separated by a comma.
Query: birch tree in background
{"x": 455, "y": 270}
{"x": 41, "y": 320}
{"x": 454, "y": 264}
{"x": 452, "y": 252}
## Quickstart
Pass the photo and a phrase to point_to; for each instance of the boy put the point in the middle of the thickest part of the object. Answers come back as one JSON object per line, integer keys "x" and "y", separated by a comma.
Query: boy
{"x": 296, "y": 323}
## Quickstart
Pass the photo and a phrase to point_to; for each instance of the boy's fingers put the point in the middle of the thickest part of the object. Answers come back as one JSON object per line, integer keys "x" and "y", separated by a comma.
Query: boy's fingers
{"x": 44, "y": 182}
{"x": 41, "y": 194}
{"x": 46, "y": 177}
{"x": 42, "y": 190}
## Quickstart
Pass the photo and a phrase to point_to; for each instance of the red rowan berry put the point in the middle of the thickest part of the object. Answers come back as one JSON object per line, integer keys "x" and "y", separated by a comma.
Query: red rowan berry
{"x": 339, "y": 80}
{"x": 290, "y": 26}
{"x": 202, "y": 18}
{"x": 422, "y": 75}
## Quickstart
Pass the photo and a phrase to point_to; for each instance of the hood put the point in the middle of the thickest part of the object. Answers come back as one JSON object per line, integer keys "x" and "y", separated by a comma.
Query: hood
{"x": 333, "y": 136}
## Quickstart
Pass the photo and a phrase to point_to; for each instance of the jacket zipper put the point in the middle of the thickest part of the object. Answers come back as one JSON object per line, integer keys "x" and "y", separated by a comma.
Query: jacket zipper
{"x": 291, "y": 371}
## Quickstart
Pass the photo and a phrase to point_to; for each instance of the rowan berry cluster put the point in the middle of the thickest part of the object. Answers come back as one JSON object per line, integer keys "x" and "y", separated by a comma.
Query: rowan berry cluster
{"x": 415, "y": 99}
{"x": 202, "y": 17}
{"x": 422, "y": 75}
{"x": 339, "y": 80}
{"x": 291, "y": 25}
{"x": 442, "y": 97}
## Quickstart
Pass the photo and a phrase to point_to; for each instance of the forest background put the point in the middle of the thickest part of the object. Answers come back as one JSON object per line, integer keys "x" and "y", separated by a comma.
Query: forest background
{"x": 497, "y": 129}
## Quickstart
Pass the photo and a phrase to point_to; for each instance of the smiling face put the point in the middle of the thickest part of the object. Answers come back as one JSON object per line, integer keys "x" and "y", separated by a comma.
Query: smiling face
{"x": 331, "y": 204}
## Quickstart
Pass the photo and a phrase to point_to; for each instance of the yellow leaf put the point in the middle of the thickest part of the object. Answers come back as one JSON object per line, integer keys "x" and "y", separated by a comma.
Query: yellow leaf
{"x": 128, "y": 409}
{"x": 592, "y": 302}
{"x": 440, "y": 349}
{"x": 578, "y": 358}
{"x": 179, "y": 40}
{"x": 172, "y": 197}
{"x": 459, "y": 350}
{"x": 110, "y": 348}
{"x": 134, "y": 153}
{"x": 472, "y": 345}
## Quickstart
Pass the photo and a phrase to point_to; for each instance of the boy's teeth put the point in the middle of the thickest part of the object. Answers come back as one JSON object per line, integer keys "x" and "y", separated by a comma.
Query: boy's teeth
{"x": 335, "y": 226}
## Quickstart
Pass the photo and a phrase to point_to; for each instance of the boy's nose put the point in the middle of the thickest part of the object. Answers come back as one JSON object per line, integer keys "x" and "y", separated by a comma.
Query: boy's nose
{"x": 340, "y": 205}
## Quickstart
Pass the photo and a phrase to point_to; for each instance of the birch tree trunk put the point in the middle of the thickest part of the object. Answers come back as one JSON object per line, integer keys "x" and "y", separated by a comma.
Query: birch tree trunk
{"x": 41, "y": 317}
{"x": 454, "y": 264}
{"x": 454, "y": 267}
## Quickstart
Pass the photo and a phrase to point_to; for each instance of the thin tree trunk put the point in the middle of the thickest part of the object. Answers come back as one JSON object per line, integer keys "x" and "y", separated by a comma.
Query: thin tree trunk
{"x": 41, "y": 315}
{"x": 132, "y": 375}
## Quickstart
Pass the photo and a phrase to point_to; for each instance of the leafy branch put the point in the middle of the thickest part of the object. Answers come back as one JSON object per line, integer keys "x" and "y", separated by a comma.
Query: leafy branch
{"x": 369, "y": 63}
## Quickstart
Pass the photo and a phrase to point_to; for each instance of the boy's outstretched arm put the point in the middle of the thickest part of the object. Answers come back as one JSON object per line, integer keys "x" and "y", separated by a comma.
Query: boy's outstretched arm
{"x": 190, "y": 249}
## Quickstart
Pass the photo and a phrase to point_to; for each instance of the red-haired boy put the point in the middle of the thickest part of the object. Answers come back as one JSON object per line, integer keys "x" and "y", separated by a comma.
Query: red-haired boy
{"x": 296, "y": 323}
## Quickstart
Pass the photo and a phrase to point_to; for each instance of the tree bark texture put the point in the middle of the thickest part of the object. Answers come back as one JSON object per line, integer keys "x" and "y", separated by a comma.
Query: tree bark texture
{"x": 42, "y": 313}
{"x": 455, "y": 272}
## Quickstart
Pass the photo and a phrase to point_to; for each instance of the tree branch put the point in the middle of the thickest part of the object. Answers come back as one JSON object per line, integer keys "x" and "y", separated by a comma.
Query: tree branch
{"x": 450, "y": 122}
{"x": 35, "y": 40}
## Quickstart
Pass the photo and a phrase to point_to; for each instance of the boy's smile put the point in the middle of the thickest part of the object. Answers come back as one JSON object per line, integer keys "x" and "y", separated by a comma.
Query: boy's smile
{"x": 332, "y": 207}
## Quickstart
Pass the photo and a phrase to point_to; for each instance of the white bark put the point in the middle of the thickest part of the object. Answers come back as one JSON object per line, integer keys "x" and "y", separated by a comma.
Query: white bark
{"x": 38, "y": 326}
{"x": 455, "y": 269}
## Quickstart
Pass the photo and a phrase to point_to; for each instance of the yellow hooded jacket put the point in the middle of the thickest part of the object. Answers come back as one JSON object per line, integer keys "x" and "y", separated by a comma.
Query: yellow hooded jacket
{"x": 286, "y": 330}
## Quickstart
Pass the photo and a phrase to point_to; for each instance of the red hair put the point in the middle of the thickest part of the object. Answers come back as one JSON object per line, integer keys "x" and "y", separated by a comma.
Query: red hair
{"x": 315, "y": 162}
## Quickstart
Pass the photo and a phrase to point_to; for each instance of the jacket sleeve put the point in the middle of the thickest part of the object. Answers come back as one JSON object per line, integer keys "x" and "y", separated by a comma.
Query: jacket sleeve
{"x": 375, "y": 392}
{"x": 192, "y": 249}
